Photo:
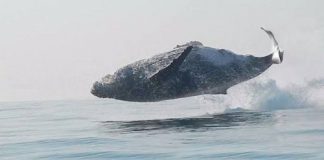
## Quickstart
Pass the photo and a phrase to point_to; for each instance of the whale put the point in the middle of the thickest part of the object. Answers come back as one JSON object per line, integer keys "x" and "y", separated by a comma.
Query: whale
{"x": 187, "y": 70}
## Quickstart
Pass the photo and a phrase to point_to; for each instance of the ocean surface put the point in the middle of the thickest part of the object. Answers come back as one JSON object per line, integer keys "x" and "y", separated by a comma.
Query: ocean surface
{"x": 261, "y": 123}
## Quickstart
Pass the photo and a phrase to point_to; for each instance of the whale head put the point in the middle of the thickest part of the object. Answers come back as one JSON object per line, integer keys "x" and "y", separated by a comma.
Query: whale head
{"x": 105, "y": 88}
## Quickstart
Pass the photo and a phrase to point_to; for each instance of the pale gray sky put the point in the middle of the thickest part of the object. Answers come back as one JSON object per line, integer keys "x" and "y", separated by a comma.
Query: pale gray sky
{"x": 56, "y": 49}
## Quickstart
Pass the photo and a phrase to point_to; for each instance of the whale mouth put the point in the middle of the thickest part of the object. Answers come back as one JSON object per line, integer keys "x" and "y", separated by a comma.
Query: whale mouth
{"x": 101, "y": 90}
{"x": 105, "y": 87}
{"x": 95, "y": 88}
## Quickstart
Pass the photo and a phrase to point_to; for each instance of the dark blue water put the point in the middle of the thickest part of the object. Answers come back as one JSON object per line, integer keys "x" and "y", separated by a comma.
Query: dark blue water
{"x": 108, "y": 129}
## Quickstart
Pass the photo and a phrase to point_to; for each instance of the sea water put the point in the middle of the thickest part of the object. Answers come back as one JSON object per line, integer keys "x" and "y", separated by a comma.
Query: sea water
{"x": 256, "y": 121}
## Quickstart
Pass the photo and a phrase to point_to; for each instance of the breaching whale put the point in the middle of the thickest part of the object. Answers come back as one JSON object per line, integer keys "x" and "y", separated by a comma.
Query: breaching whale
{"x": 187, "y": 70}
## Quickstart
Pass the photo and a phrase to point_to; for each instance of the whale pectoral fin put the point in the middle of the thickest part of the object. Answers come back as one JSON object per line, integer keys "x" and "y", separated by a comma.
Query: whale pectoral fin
{"x": 172, "y": 68}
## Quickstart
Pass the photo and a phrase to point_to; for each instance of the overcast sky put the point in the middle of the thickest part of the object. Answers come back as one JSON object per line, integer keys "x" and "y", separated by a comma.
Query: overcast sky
{"x": 56, "y": 49}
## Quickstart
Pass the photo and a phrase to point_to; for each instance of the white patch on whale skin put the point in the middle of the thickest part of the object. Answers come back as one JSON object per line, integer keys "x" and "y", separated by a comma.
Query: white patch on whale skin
{"x": 218, "y": 56}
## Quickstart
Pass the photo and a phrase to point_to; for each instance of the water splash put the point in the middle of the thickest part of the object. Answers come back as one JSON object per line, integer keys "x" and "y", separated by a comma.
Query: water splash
{"x": 266, "y": 95}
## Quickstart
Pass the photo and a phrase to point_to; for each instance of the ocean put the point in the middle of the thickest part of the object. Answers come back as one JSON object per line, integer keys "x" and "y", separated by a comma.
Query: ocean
{"x": 254, "y": 121}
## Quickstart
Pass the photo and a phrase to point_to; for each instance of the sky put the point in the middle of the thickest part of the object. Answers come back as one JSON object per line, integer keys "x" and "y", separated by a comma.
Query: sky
{"x": 56, "y": 49}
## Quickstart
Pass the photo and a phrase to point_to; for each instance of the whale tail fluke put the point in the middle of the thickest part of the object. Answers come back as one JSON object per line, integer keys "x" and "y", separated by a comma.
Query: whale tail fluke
{"x": 277, "y": 53}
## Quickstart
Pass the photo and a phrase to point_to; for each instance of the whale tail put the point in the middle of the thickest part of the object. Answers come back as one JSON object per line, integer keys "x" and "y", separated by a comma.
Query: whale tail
{"x": 277, "y": 53}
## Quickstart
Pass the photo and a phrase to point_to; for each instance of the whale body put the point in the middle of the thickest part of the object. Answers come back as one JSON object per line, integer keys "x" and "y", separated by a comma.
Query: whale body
{"x": 187, "y": 70}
